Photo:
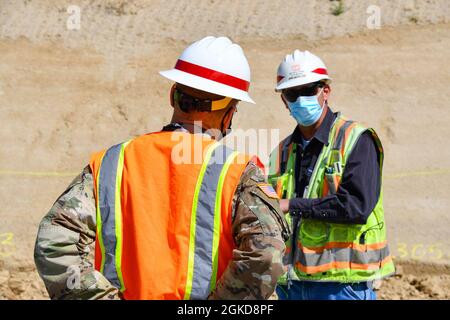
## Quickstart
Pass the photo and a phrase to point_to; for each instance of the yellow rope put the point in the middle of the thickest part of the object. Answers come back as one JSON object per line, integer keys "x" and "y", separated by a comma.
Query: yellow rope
{"x": 417, "y": 173}
{"x": 37, "y": 174}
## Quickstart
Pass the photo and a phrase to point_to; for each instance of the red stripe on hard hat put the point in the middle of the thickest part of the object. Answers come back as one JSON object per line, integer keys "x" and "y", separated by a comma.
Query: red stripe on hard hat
{"x": 212, "y": 75}
{"x": 320, "y": 71}
{"x": 279, "y": 78}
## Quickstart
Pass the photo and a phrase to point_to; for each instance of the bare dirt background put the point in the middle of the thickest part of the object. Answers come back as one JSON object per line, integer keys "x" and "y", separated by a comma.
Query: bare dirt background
{"x": 67, "y": 93}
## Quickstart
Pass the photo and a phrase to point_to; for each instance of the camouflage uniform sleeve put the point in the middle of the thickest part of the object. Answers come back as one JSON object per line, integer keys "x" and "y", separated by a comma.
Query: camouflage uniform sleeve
{"x": 64, "y": 249}
{"x": 259, "y": 230}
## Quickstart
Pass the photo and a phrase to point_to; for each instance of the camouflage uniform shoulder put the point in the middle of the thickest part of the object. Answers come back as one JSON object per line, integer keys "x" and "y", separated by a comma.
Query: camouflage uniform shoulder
{"x": 259, "y": 231}
{"x": 256, "y": 195}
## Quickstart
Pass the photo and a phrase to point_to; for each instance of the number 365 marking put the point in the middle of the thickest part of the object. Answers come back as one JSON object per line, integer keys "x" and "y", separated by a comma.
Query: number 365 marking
{"x": 7, "y": 246}
{"x": 418, "y": 251}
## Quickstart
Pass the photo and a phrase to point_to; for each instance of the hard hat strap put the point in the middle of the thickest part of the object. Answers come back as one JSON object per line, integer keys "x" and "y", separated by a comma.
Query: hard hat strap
{"x": 188, "y": 103}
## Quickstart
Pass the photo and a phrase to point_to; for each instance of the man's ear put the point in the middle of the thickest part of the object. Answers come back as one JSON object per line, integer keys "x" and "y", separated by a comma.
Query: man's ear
{"x": 230, "y": 113}
{"x": 284, "y": 101}
{"x": 326, "y": 92}
{"x": 228, "y": 117}
{"x": 172, "y": 91}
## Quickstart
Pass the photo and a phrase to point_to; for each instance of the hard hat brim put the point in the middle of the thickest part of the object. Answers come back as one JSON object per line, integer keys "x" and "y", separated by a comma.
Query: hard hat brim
{"x": 206, "y": 85}
{"x": 301, "y": 81}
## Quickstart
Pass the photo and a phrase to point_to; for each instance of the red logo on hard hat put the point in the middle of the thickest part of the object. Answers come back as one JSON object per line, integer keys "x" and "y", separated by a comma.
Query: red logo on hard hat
{"x": 295, "y": 67}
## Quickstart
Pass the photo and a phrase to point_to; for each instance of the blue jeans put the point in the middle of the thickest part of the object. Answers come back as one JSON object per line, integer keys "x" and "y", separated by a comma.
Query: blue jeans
{"x": 307, "y": 290}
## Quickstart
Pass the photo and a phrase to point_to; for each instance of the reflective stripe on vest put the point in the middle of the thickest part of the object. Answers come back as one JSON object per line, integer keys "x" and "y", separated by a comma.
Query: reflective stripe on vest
{"x": 321, "y": 258}
{"x": 109, "y": 214}
{"x": 205, "y": 218}
{"x": 206, "y": 211}
{"x": 347, "y": 265}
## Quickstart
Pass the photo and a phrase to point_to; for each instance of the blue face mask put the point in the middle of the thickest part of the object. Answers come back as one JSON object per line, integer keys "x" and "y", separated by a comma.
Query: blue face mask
{"x": 306, "y": 110}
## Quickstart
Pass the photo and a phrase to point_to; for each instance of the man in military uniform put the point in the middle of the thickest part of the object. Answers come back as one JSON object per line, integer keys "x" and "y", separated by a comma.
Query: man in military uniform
{"x": 75, "y": 231}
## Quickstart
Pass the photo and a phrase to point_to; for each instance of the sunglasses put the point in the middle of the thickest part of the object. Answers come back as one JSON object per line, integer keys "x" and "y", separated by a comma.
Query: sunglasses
{"x": 292, "y": 94}
{"x": 186, "y": 102}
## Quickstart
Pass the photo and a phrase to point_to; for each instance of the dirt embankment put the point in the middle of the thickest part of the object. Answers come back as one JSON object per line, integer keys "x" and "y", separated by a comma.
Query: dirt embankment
{"x": 414, "y": 280}
{"x": 67, "y": 93}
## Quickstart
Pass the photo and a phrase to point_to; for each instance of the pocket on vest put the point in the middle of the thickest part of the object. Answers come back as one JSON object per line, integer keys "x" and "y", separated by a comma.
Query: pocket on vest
{"x": 314, "y": 233}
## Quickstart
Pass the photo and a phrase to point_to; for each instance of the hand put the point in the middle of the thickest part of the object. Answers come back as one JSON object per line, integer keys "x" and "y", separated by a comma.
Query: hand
{"x": 284, "y": 205}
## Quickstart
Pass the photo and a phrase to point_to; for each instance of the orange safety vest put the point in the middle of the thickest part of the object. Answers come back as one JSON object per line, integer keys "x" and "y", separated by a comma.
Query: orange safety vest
{"x": 164, "y": 229}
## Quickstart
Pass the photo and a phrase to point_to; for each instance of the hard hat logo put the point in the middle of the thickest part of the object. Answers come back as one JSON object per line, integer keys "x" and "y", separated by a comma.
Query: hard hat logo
{"x": 215, "y": 65}
{"x": 295, "y": 67}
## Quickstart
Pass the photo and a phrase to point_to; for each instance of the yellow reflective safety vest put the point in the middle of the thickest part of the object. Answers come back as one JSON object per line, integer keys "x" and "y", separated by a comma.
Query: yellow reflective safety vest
{"x": 324, "y": 251}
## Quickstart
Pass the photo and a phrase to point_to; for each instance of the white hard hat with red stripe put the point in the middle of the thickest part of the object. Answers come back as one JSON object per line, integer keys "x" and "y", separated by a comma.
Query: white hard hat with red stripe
{"x": 214, "y": 65}
{"x": 300, "y": 67}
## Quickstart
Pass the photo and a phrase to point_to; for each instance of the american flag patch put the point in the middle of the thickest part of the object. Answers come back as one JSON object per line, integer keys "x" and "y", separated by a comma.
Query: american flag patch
{"x": 268, "y": 190}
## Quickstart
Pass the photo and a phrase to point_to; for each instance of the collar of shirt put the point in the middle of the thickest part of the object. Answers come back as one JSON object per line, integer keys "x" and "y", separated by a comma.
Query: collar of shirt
{"x": 186, "y": 127}
{"x": 321, "y": 134}
{"x": 304, "y": 142}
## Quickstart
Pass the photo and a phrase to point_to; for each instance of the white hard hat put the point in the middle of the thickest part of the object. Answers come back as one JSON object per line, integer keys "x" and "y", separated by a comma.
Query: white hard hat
{"x": 214, "y": 65}
{"x": 300, "y": 68}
